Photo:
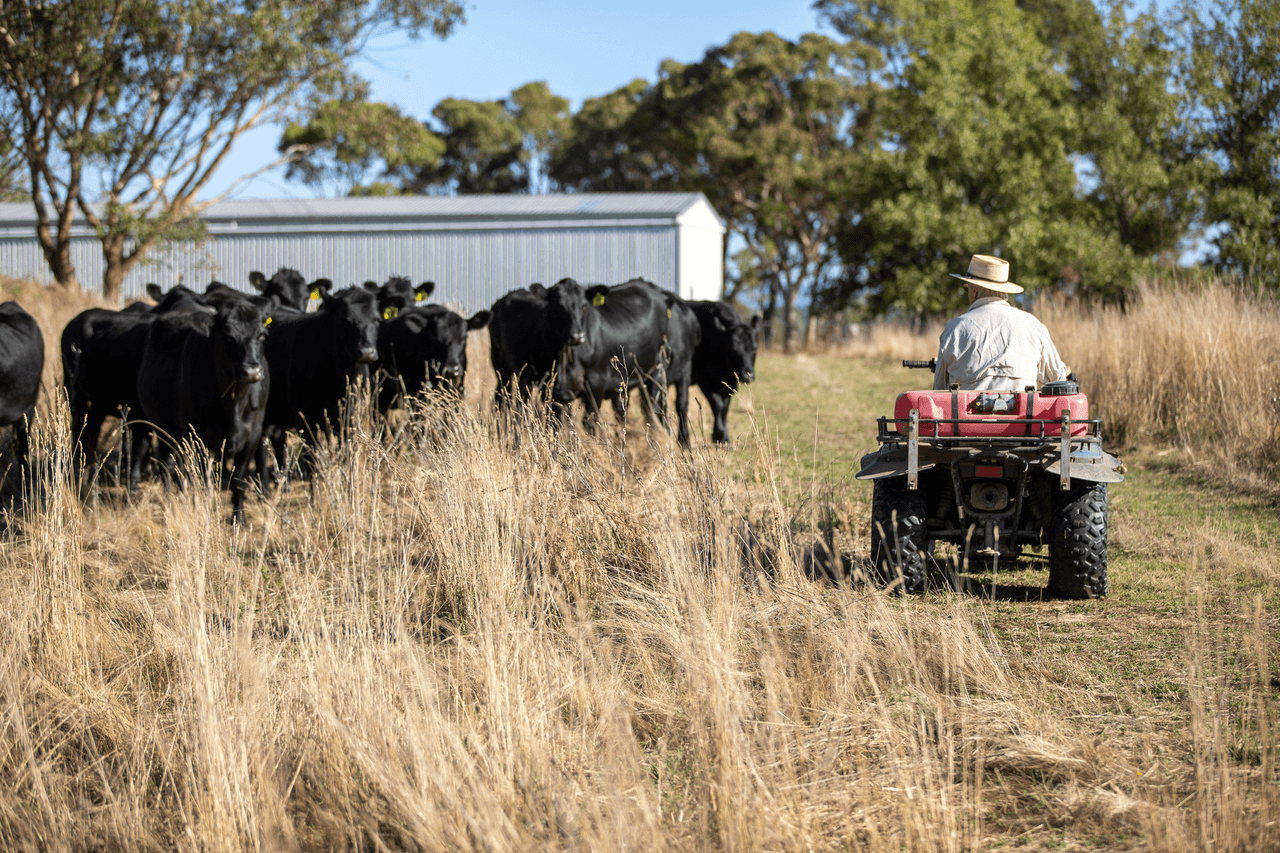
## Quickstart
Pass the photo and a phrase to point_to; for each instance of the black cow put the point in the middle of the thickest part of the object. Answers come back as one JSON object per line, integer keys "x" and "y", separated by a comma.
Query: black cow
{"x": 101, "y": 354}
{"x": 316, "y": 359}
{"x": 178, "y": 298}
{"x": 423, "y": 347}
{"x": 289, "y": 287}
{"x": 625, "y": 347}
{"x": 399, "y": 293}
{"x": 684, "y": 338}
{"x": 21, "y": 362}
{"x": 726, "y": 356}
{"x": 206, "y": 377}
{"x": 529, "y": 329}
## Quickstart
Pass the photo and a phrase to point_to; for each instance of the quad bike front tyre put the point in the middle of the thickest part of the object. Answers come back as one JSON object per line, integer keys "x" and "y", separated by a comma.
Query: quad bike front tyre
{"x": 898, "y": 541}
{"x": 1078, "y": 541}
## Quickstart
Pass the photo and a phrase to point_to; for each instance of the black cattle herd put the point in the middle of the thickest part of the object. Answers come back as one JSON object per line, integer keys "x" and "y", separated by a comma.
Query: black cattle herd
{"x": 240, "y": 371}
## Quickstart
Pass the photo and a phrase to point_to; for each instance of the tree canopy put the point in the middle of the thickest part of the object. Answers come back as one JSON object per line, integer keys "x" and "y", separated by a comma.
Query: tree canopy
{"x": 772, "y": 131}
{"x": 125, "y": 108}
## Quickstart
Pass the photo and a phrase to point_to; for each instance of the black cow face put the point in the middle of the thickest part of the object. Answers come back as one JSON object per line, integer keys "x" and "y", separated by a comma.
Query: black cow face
{"x": 289, "y": 287}
{"x": 447, "y": 352}
{"x": 742, "y": 349}
{"x": 566, "y": 304}
{"x": 356, "y": 330}
{"x": 239, "y": 328}
{"x": 400, "y": 293}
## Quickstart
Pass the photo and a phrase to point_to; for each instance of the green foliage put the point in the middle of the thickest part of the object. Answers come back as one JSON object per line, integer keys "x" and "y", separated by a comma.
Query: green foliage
{"x": 980, "y": 157}
{"x": 144, "y": 99}
{"x": 769, "y": 129}
{"x": 1234, "y": 74}
{"x": 344, "y": 139}
{"x": 481, "y": 147}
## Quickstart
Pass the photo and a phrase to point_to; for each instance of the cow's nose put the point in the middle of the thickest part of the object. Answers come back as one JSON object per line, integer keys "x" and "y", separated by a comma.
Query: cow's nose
{"x": 368, "y": 354}
{"x": 253, "y": 374}
{"x": 748, "y": 376}
{"x": 578, "y": 338}
{"x": 452, "y": 371}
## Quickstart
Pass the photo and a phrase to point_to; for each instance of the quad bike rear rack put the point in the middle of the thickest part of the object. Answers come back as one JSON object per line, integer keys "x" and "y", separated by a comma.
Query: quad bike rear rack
{"x": 1040, "y": 433}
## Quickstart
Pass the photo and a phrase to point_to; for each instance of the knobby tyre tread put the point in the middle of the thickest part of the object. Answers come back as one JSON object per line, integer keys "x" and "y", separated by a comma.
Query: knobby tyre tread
{"x": 898, "y": 536}
{"x": 1078, "y": 546}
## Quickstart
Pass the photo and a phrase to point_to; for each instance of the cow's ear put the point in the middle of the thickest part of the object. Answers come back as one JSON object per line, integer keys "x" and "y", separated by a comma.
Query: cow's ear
{"x": 478, "y": 320}
{"x": 323, "y": 285}
{"x": 424, "y": 290}
{"x": 537, "y": 289}
{"x": 154, "y": 291}
{"x": 258, "y": 280}
{"x": 371, "y": 285}
{"x": 596, "y": 293}
{"x": 755, "y": 322}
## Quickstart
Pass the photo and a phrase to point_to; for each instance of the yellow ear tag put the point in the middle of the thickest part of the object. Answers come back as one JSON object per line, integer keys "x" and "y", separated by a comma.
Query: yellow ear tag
{"x": 419, "y": 297}
{"x": 266, "y": 322}
{"x": 390, "y": 313}
{"x": 315, "y": 293}
{"x": 668, "y": 313}
{"x": 597, "y": 300}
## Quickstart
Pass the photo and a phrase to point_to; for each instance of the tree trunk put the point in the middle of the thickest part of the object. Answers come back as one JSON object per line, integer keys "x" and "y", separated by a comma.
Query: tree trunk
{"x": 788, "y": 304}
{"x": 766, "y": 315}
{"x": 114, "y": 267}
{"x": 58, "y": 257}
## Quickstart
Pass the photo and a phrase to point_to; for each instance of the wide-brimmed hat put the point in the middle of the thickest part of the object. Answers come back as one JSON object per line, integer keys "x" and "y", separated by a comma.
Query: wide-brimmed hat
{"x": 990, "y": 273}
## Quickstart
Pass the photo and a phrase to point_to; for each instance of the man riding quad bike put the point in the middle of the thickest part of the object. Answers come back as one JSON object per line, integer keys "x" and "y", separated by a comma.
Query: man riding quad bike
{"x": 993, "y": 473}
{"x": 988, "y": 462}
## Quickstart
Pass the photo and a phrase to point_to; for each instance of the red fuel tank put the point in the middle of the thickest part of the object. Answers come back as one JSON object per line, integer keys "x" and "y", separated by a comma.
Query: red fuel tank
{"x": 989, "y": 413}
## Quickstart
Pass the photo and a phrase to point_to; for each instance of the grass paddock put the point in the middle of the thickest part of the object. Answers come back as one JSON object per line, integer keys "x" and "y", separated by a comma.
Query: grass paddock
{"x": 472, "y": 635}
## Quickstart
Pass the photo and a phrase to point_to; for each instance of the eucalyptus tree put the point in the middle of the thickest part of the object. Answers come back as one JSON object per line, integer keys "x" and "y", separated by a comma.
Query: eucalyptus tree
{"x": 353, "y": 146}
{"x": 773, "y": 131}
{"x": 125, "y": 108}
{"x": 496, "y": 146}
{"x": 1042, "y": 131}
{"x": 1234, "y": 75}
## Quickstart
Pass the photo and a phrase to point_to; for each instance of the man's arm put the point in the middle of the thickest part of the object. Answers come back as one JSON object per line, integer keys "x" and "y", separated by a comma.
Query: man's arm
{"x": 942, "y": 370}
{"x": 1051, "y": 368}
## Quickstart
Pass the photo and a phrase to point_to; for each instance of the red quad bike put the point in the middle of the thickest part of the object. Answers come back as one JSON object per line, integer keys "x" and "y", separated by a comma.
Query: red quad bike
{"x": 994, "y": 473}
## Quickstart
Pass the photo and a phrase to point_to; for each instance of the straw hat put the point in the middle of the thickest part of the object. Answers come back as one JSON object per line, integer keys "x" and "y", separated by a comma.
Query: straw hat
{"x": 991, "y": 273}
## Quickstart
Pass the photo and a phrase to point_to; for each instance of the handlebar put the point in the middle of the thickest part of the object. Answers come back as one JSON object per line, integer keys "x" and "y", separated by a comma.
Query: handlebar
{"x": 931, "y": 364}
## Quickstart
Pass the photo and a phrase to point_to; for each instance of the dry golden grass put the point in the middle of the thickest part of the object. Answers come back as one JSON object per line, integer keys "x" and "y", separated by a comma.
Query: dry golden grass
{"x": 1195, "y": 366}
{"x": 473, "y": 637}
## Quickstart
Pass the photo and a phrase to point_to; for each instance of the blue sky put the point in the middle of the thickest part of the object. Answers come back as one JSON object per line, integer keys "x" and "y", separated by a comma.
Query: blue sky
{"x": 581, "y": 49}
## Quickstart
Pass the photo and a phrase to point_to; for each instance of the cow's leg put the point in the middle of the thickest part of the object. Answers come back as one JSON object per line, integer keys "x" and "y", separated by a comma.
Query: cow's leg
{"x": 22, "y": 436}
{"x": 80, "y": 414}
{"x": 260, "y": 459}
{"x": 237, "y": 481}
{"x": 277, "y": 451}
{"x": 140, "y": 436}
{"x": 720, "y": 412}
{"x": 682, "y": 413}
{"x": 87, "y": 433}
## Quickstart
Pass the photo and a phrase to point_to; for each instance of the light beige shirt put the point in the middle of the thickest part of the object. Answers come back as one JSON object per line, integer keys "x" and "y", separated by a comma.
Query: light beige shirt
{"x": 996, "y": 347}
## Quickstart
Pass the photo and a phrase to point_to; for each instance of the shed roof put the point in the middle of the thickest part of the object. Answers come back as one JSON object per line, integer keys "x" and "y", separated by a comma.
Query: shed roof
{"x": 470, "y": 210}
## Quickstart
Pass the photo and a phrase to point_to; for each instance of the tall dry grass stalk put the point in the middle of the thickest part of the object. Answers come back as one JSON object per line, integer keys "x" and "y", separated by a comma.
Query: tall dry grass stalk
{"x": 473, "y": 635}
{"x": 1192, "y": 365}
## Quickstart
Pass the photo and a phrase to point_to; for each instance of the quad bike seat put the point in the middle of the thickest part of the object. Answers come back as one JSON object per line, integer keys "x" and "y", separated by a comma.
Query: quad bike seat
{"x": 992, "y": 413}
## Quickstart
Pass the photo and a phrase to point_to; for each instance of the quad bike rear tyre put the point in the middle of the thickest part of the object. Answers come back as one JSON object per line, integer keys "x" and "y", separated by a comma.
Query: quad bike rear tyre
{"x": 898, "y": 541}
{"x": 1078, "y": 541}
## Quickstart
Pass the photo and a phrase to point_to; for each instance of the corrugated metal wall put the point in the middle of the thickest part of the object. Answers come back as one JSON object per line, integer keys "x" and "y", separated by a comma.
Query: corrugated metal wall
{"x": 471, "y": 268}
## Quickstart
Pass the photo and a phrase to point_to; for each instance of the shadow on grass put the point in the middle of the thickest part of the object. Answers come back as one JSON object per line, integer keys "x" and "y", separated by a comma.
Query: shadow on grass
{"x": 848, "y": 569}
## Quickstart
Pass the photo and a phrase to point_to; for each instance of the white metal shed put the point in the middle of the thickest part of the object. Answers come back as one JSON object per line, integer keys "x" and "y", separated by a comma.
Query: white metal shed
{"x": 475, "y": 248}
